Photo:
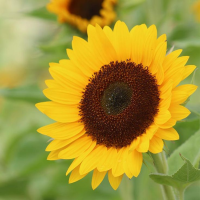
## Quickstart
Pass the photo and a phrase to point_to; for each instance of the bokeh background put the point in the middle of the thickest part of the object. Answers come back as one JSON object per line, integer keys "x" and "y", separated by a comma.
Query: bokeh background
{"x": 30, "y": 38}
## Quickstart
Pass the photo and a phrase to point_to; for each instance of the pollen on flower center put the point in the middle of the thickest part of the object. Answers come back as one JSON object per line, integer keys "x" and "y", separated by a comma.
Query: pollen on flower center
{"x": 85, "y": 8}
{"x": 116, "y": 98}
{"x": 119, "y": 103}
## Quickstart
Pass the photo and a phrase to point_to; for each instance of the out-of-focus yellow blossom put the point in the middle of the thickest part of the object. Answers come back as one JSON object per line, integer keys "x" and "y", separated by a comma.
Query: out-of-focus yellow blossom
{"x": 80, "y": 13}
{"x": 196, "y": 9}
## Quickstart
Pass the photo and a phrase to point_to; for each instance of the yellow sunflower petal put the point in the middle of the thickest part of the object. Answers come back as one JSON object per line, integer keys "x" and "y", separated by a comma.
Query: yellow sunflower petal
{"x": 170, "y": 58}
{"x": 162, "y": 117}
{"x": 114, "y": 181}
{"x": 151, "y": 130}
{"x": 109, "y": 34}
{"x": 56, "y": 86}
{"x": 108, "y": 160}
{"x": 53, "y": 155}
{"x": 65, "y": 64}
{"x": 161, "y": 39}
{"x": 158, "y": 59}
{"x": 151, "y": 37}
{"x": 134, "y": 161}
{"x": 156, "y": 145}
{"x": 177, "y": 77}
{"x": 77, "y": 58}
{"x": 75, "y": 175}
{"x": 106, "y": 13}
{"x": 127, "y": 171}
{"x": 62, "y": 96}
{"x": 61, "y": 76}
{"x": 57, "y": 144}
{"x": 188, "y": 70}
{"x": 83, "y": 51}
{"x": 106, "y": 43}
{"x": 188, "y": 88}
{"x": 52, "y": 84}
{"x": 98, "y": 45}
{"x": 167, "y": 134}
{"x": 177, "y": 64}
{"x": 118, "y": 169}
{"x": 97, "y": 178}
{"x": 165, "y": 89}
{"x": 181, "y": 93}
{"x": 144, "y": 143}
{"x": 78, "y": 160}
{"x": 104, "y": 155}
{"x": 77, "y": 79}
{"x": 76, "y": 148}
{"x": 59, "y": 112}
{"x": 165, "y": 103}
{"x": 122, "y": 41}
{"x": 138, "y": 34}
{"x": 160, "y": 75}
{"x": 171, "y": 122}
{"x": 61, "y": 131}
{"x": 173, "y": 72}
{"x": 178, "y": 112}
{"x": 134, "y": 144}
{"x": 91, "y": 161}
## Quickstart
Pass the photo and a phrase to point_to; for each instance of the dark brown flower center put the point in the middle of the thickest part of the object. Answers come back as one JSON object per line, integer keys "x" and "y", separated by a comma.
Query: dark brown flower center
{"x": 119, "y": 103}
{"x": 85, "y": 8}
{"x": 116, "y": 98}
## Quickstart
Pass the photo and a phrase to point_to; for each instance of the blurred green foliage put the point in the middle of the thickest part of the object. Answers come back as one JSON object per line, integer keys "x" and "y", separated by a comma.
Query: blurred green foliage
{"x": 31, "y": 38}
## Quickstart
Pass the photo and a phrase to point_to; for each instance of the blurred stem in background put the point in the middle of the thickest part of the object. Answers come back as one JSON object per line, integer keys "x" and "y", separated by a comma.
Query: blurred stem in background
{"x": 181, "y": 194}
{"x": 126, "y": 189}
{"x": 160, "y": 163}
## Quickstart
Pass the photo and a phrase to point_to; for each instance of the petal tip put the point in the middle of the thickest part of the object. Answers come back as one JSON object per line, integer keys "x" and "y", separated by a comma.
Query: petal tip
{"x": 39, "y": 106}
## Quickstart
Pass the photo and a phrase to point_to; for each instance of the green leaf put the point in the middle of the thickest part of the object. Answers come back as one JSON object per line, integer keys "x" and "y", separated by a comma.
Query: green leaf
{"x": 42, "y": 13}
{"x": 189, "y": 149}
{"x": 186, "y": 175}
{"x": 31, "y": 93}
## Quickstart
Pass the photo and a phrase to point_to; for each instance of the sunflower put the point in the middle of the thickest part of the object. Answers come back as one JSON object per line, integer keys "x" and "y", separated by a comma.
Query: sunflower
{"x": 115, "y": 98}
{"x": 196, "y": 9}
{"x": 80, "y": 13}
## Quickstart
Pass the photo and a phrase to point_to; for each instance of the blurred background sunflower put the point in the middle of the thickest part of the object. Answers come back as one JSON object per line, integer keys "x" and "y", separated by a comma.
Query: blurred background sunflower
{"x": 30, "y": 38}
{"x": 80, "y": 13}
{"x": 196, "y": 9}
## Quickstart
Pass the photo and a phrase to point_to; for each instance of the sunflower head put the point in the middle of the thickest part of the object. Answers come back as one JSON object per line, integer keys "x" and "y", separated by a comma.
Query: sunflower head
{"x": 80, "y": 13}
{"x": 196, "y": 10}
{"x": 116, "y": 97}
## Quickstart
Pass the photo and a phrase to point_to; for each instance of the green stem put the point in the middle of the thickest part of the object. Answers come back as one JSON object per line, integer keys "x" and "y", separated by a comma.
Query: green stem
{"x": 161, "y": 166}
{"x": 126, "y": 189}
{"x": 181, "y": 194}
